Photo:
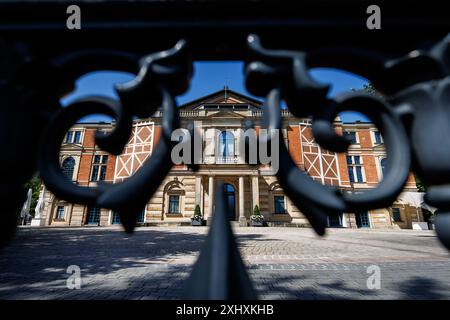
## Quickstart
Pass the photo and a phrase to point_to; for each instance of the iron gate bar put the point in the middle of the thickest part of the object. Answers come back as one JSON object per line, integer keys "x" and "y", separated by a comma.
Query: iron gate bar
{"x": 217, "y": 30}
{"x": 219, "y": 273}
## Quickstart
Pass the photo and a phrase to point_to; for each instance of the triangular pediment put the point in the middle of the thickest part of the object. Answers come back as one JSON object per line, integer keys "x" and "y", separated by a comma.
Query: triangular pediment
{"x": 223, "y": 97}
{"x": 225, "y": 114}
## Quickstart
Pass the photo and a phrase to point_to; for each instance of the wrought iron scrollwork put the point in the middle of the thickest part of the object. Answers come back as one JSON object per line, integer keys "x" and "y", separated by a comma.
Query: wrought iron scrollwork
{"x": 423, "y": 102}
{"x": 282, "y": 74}
{"x": 412, "y": 116}
{"x": 161, "y": 76}
{"x": 219, "y": 273}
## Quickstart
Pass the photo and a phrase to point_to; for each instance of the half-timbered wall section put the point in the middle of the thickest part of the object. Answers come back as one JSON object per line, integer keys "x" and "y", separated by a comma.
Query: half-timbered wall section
{"x": 137, "y": 150}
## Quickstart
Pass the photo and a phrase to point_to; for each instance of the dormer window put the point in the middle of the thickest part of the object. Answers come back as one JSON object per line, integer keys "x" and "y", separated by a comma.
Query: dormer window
{"x": 378, "y": 139}
{"x": 351, "y": 135}
{"x": 73, "y": 136}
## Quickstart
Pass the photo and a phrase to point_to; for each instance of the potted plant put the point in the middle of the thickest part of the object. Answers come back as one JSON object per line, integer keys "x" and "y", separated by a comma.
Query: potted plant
{"x": 197, "y": 218}
{"x": 256, "y": 219}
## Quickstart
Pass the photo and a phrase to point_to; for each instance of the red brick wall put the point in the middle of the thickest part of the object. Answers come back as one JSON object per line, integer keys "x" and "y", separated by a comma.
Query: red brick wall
{"x": 370, "y": 169}
{"x": 295, "y": 149}
{"x": 342, "y": 161}
{"x": 365, "y": 140}
{"x": 89, "y": 149}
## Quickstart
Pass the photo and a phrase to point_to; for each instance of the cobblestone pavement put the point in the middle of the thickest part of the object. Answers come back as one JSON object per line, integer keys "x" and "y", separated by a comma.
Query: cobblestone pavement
{"x": 284, "y": 263}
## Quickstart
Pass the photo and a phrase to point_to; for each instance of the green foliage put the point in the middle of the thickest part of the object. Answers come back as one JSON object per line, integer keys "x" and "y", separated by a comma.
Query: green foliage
{"x": 421, "y": 187}
{"x": 256, "y": 216}
{"x": 197, "y": 213}
{"x": 370, "y": 89}
{"x": 35, "y": 185}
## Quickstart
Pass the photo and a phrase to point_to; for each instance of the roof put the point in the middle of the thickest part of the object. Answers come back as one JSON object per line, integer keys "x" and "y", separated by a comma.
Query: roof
{"x": 223, "y": 96}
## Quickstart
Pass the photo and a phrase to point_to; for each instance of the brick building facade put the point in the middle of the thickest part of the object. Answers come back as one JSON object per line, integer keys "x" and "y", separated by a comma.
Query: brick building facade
{"x": 221, "y": 114}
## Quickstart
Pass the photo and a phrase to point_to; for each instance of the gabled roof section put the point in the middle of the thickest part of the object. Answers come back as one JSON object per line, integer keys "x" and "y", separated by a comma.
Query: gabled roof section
{"x": 224, "y": 96}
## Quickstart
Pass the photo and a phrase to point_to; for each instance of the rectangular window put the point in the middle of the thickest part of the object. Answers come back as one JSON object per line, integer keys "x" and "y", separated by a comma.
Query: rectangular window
{"x": 378, "y": 139}
{"x": 73, "y": 136}
{"x": 352, "y": 136}
{"x": 141, "y": 217}
{"x": 355, "y": 170}
{"x": 396, "y": 215}
{"x": 350, "y": 174}
{"x": 77, "y": 137}
{"x": 279, "y": 204}
{"x": 94, "y": 176}
{"x": 93, "y": 216}
{"x": 359, "y": 175}
{"x": 115, "y": 217}
{"x": 102, "y": 175}
{"x": 99, "y": 166}
{"x": 69, "y": 137}
{"x": 174, "y": 204}
{"x": 60, "y": 213}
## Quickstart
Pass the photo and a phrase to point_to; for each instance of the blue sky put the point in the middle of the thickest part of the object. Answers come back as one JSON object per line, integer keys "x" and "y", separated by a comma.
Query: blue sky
{"x": 210, "y": 77}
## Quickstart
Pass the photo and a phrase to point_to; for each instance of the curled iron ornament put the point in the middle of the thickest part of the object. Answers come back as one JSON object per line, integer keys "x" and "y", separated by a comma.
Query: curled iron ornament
{"x": 422, "y": 99}
{"x": 282, "y": 74}
{"x": 161, "y": 76}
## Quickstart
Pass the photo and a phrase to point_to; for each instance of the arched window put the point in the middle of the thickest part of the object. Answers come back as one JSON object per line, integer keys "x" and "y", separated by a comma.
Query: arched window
{"x": 226, "y": 144}
{"x": 383, "y": 166}
{"x": 68, "y": 166}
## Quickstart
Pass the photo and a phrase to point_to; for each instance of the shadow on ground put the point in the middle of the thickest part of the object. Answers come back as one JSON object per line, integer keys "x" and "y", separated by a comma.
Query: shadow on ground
{"x": 115, "y": 265}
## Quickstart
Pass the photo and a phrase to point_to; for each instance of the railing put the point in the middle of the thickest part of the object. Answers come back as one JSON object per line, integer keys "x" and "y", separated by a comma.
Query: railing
{"x": 188, "y": 113}
{"x": 413, "y": 74}
{"x": 259, "y": 113}
{"x": 226, "y": 159}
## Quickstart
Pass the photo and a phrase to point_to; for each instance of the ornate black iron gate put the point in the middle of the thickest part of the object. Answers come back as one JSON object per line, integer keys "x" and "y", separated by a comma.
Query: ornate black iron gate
{"x": 407, "y": 60}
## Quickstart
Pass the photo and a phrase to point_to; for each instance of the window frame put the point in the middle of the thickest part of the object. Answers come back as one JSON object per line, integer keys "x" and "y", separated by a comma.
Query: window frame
{"x": 275, "y": 204}
{"x": 375, "y": 142}
{"x": 99, "y": 169}
{"x": 73, "y": 168}
{"x": 224, "y": 140}
{"x": 57, "y": 217}
{"x": 71, "y": 135}
{"x": 354, "y": 133}
{"x": 399, "y": 214}
{"x": 353, "y": 167}
{"x": 89, "y": 215}
{"x": 170, "y": 196}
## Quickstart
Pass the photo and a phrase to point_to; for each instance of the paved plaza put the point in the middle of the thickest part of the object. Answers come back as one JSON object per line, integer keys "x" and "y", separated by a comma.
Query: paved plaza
{"x": 284, "y": 263}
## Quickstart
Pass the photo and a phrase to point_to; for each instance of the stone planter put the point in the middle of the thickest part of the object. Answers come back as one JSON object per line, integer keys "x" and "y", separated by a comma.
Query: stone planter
{"x": 197, "y": 222}
{"x": 256, "y": 223}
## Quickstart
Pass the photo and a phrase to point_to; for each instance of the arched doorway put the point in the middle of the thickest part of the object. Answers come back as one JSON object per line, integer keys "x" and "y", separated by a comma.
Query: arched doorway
{"x": 230, "y": 198}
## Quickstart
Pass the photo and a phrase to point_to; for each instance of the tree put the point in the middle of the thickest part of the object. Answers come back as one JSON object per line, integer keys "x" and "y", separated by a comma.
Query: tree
{"x": 197, "y": 212}
{"x": 421, "y": 187}
{"x": 35, "y": 185}
{"x": 256, "y": 216}
{"x": 370, "y": 89}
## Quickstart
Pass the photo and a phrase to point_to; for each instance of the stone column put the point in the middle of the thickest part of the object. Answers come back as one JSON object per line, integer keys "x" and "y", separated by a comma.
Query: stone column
{"x": 208, "y": 217}
{"x": 242, "y": 218}
{"x": 198, "y": 191}
{"x": 255, "y": 192}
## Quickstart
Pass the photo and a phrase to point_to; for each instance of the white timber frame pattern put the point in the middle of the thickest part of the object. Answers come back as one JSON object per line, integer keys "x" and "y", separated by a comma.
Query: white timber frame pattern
{"x": 320, "y": 164}
{"x": 137, "y": 150}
